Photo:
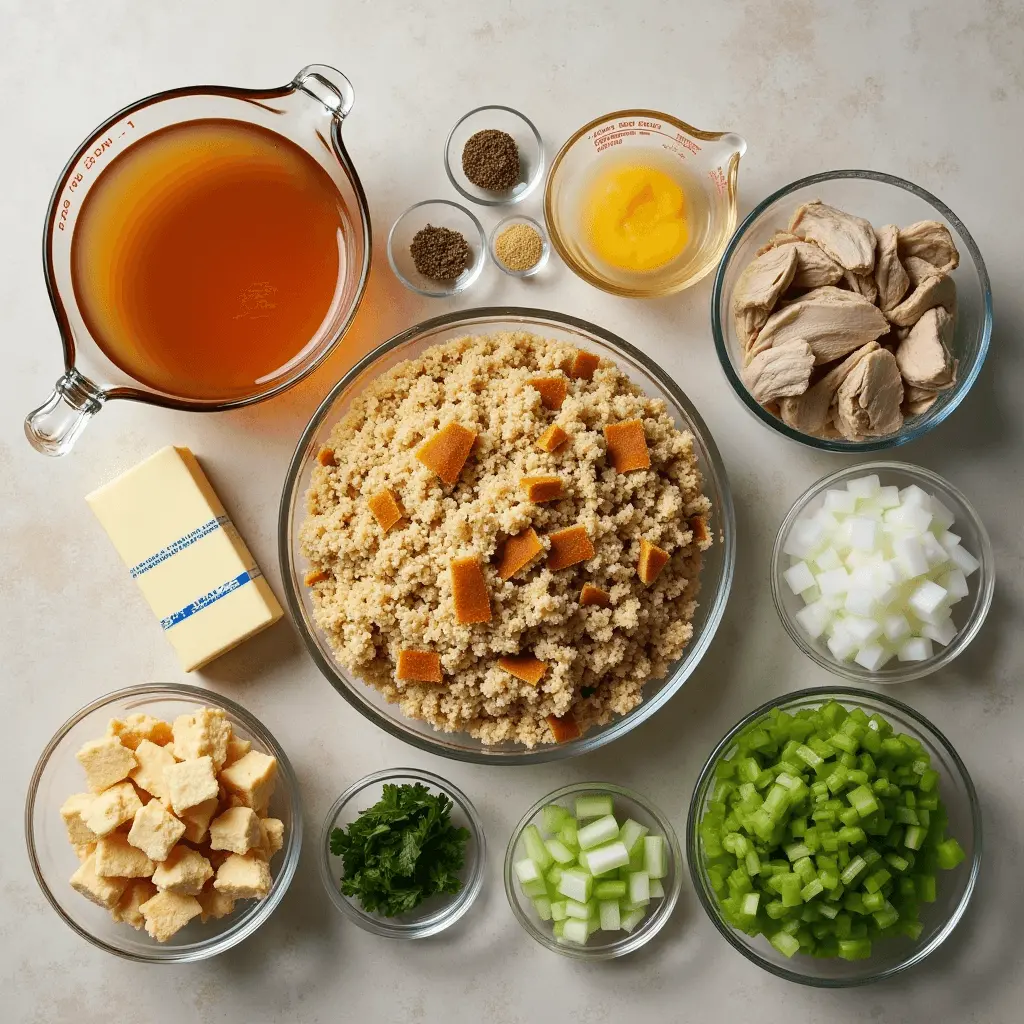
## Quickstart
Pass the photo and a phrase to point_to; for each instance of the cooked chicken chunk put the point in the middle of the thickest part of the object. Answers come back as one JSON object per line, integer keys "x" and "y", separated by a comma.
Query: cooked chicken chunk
{"x": 809, "y": 412}
{"x": 924, "y": 356}
{"x": 862, "y": 284}
{"x": 832, "y": 321}
{"x": 814, "y": 268}
{"x": 868, "y": 401}
{"x": 779, "y": 371}
{"x": 890, "y": 276}
{"x": 937, "y": 290}
{"x": 931, "y": 241}
{"x": 758, "y": 289}
{"x": 779, "y": 238}
{"x": 917, "y": 269}
{"x": 849, "y": 240}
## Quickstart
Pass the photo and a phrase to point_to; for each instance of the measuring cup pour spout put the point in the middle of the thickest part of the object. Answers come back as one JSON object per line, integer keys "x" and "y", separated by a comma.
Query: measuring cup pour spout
{"x": 54, "y": 427}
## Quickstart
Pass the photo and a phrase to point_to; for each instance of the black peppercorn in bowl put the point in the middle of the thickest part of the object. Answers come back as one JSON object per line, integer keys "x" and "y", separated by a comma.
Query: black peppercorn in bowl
{"x": 437, "y": 248}
{"x": 478, "y": 156}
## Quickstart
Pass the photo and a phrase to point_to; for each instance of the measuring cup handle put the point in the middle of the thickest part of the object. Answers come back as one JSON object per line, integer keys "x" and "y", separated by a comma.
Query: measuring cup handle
{"x": 55, "y": 426}
{"x": 328, "y": 85}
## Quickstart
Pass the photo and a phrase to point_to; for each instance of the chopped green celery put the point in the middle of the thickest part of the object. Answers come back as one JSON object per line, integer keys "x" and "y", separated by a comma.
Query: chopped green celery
{"x": 859, "y": 928}
{"x": 854, "y": 903}
{"x": 842, "y": 741}
{"x": 594, "y": 805}
{"x": 797, "y": 850}
{"x": 914, "y": 837}
{"x": 828, "y": 910}
{"x": 843, "y": 925}
{"x": 657, "y": 889}
{"x": 894, "y": 837}
{"x": 751, "y": 863}
{"x": 886, "y": 917}
{"x": 811, "y": 889}
{"x": 873, "y": 901}
{"x": 823, "y": 816}
{"x": 804, "y": 867}
{"x": 856, "y": 777}
{"x": 787, "y": 945}
{"x": 896, "y": 862}
{"x": 543, "y": 907}
{"x": 849, "y": 816}
{"x": 578, "y": 910}
{"x": 749, "y": 905}
{"x": 610, "y": 917}
{"x": 776, "y": 803}
{"x": 863, "y": 800}
{"x": 797, "y": 826}
{"x": 596, "y": 833}
{"x": 866, "y": 763}
{"x": 576, "y": 885}
{"x": 764, "y": 779}
{"x": 823, "y": 749}
{"x": 871, "y": 856}
{"x": 924, "y": 817}
{"x": 575, "y": 931}
{"x": 812, "y": 839}
{"x": 709, "y": 836}
{"x": 758, "y": 739}
{"x": 558, "y": 928}
{"x": 632, "y": 919}
{"x": 776, "y": 909}
{"x": 558, "y": 910}
{"x": 852, "y": 870}
{"x": 926, "y": 888}
{"x": 854, "y": 949}
{"x": 560, "y": 853}
{"x": 609, "y": 890}
{"x": 725, "y": 769}
{"x": 736, "y": 843}
{"x": 911, "y": 929}
{"x": 655, "y": 857}
{"x": 527, "y": 871}
{"x": 837, "y": 893}
{"x": 569, "y": 833}
{"x": 554, "y": 874}
{"x": 748, "y": 769}
{"x": 809, "y": 756}
{"x": 829, "y": 878}
{"x": 950, "y": 853}
{"x": 875, "y": 881}
{"x": 830, "y": 842}
{"x": 906, "y": 816}
{"x": 553, "y": 817}
{"x": 790, "y": 892}
{"x": 639, "y": 888}
{"x": 894, "y": 747}
{"x": 929, "y": 780}
{"x": 791, "y": 925}
{"x": 819, "y": 790}
{"x": 632, "y": 832}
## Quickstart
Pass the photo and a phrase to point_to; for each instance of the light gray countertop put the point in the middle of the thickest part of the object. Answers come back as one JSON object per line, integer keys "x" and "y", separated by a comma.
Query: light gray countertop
{"x": 932, "y": 92}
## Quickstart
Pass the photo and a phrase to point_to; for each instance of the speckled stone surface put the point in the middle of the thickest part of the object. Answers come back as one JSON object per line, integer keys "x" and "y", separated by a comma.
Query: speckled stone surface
{"x": 933, "y": 92}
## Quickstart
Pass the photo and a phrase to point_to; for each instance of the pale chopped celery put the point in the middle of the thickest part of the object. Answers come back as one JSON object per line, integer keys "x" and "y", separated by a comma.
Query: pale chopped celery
{"x": 610, "y": 889}
{"x": 558, "y": 910}
{"x": 578, "y": 911}
{"x": 655, "y": 857}
{"x": 527, "y": 870}
{"x": 543, "y": 907}
{"x": 594, "y": 806}
{"x": 535, "y": 848}
{"x": 632, "y": 919}
{"x": 631, "y": 833}
{"x": 611, "y": 920}
{"x": 657, "y": 889}
{"x": 538, "y": 887}
{"x": 639, "y": 888}
{"x": 553, "y": 817}
{"x": 609, "y": 857}
{"x": 597, "y": 832}
{"x": 576, "y": 885}
{"x": 575, "y": 931}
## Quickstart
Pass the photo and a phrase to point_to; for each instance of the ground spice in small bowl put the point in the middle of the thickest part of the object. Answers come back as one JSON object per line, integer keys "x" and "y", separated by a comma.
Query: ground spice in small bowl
{"x": 490, "y": 159}
{"x": 519, "y": 247}
{"x": 440, "y": 253}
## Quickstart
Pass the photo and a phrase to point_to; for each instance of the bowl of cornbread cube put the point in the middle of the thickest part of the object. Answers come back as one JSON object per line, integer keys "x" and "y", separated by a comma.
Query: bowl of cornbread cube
{"x": 163, "y": 823}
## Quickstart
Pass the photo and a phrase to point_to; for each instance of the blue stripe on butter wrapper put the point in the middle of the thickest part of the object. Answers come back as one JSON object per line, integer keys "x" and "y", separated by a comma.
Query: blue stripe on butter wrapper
{"x": 211, "y": 598}
{"x": 179, "y": 545}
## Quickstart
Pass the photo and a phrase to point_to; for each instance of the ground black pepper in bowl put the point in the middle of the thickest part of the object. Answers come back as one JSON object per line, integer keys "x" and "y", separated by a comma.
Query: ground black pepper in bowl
{"x": 490, "y": 159}
{"x": 440, "y": 253}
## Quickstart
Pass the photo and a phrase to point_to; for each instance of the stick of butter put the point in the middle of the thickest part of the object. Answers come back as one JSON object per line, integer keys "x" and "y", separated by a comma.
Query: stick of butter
{"x": 191, "y": 565}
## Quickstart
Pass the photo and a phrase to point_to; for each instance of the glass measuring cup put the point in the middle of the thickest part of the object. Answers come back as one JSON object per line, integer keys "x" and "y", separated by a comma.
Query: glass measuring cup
{"x": 706, "y": 165}
{"x": 308, "y": 111}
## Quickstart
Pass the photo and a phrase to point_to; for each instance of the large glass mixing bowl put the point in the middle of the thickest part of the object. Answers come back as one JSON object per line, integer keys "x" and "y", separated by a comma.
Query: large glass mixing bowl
{"x": 716, "y": 576}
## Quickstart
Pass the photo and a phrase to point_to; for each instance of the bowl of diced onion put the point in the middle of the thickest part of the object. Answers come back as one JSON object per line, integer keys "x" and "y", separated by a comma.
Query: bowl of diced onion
{"x": 882, "y": 572}
{"x": 593, "y": 871}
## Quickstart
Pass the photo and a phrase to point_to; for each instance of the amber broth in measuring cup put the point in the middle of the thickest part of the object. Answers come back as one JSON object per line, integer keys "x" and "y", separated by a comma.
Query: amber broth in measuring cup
{"x": 208, "y": 257}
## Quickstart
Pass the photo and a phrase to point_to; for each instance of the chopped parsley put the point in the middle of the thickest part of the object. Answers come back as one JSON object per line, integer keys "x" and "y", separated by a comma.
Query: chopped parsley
{"x": 401, "y": 851}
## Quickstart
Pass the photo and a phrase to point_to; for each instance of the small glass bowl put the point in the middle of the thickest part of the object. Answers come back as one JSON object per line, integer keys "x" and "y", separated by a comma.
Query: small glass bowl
{"x": 531, "y": 153}
{"x": 57, "y": 775}
{"x": 628, "y": 804}
{"x": 437, "y": 913}
{"x": 882, "y": 199}
{"x": 955, "y": 888}
{"x": 970, "y": 612}
{"x": 441, "y": 214}
{"x": 512, "y": 221}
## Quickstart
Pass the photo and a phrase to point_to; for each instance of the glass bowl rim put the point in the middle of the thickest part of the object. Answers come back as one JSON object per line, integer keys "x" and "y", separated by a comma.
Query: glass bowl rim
{"x": 474, "y": 271}
{"x": 519, "y": 218}
{"x": 535, "y": 178}
{"x": 906, "y": 435}
{"x": 695, "y": 855}
{"x": 912, "y": 670}
{"x": 459, "y": 904}
{"x": 261, "y": 911}
{"x": 725, "y": 528}
{"x": 633, "y": 940}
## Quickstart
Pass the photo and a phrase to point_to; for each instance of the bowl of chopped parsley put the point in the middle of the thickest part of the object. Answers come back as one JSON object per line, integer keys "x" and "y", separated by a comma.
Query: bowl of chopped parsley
{"x": 403, "y": 853}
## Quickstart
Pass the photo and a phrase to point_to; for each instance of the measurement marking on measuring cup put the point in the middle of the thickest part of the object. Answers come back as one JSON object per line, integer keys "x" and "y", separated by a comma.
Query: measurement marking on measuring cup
{"x": 613, "y": 134}
{"x": 99, "y": 149}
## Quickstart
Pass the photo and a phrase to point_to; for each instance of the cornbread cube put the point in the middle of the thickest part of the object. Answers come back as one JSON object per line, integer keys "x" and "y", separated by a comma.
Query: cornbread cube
{"x": 652, "y": 560}
{"x": 271, "y": 836}
{"x": 79, "y": 834}
{"x": 167, "y": 913}
{"x": 85, "y": 852}
{"x": 564, "y": 728}
{"x": 252, "y": 778}
{"x": 552, "y": 439}
{"x": 205, "y": 733}
{"x": 518, "y": 552}
{"x": 568, "y": 547}
{"x": 149, "y": 774}
{"x": 446, "y": 452}
{"x": 191, "y": 782}
{"x": 237, "y": 830}
{"x": 469, "y": 590}
{"x": 197, "y": 820}
{"x": 583, "y": 365}
{"x": 117, "y": 858}
{"x": 185, "y": 871}
{"x": 627, "y": 446}
{"x": 542, "y": 488}
{"x": 385, "y": 509}
{"x": 214, "y": 903}
{"x": 595, "y": 595}
{"x": 136, "y": 728}
{"x": 106, "y": 761}
{"x": 418, "y": 666}
{"x": 525, "y": 667}
{"x": 127, "y": 911}
{"x": 111, "y": 808}
{"x": 155, "y": 831}
{"x": 104, "y": 892}
{"x": 237, "y": 747}
{"x": 552, "y": 391}
{"x": 243, "y": 877}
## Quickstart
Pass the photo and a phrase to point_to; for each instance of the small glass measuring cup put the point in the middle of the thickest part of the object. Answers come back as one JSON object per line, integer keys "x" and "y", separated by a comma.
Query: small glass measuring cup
{"x": 706, "y": 164}
{"x": 309, "y": 112}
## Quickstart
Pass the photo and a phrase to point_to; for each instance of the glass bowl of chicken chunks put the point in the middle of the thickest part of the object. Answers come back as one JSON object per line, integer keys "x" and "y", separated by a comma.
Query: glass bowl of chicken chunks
{"x": 852, "y": 311}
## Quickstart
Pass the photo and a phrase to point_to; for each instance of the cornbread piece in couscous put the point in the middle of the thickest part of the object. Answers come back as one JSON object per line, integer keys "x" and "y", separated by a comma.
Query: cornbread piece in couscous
{"x": 380, "y": 595}
{"x": 167, "y": 913}
{"x": 155, "y": 831}
{"x": 111, "y": 808}
{"x": 106, "y": 761}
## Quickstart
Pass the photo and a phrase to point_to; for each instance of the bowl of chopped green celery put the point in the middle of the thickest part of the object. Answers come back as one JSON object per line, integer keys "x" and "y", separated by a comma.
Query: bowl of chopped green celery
{"x": 593, "y": 871}
{"x": 834, "y": 837}
{"x": 403, "y": 853}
